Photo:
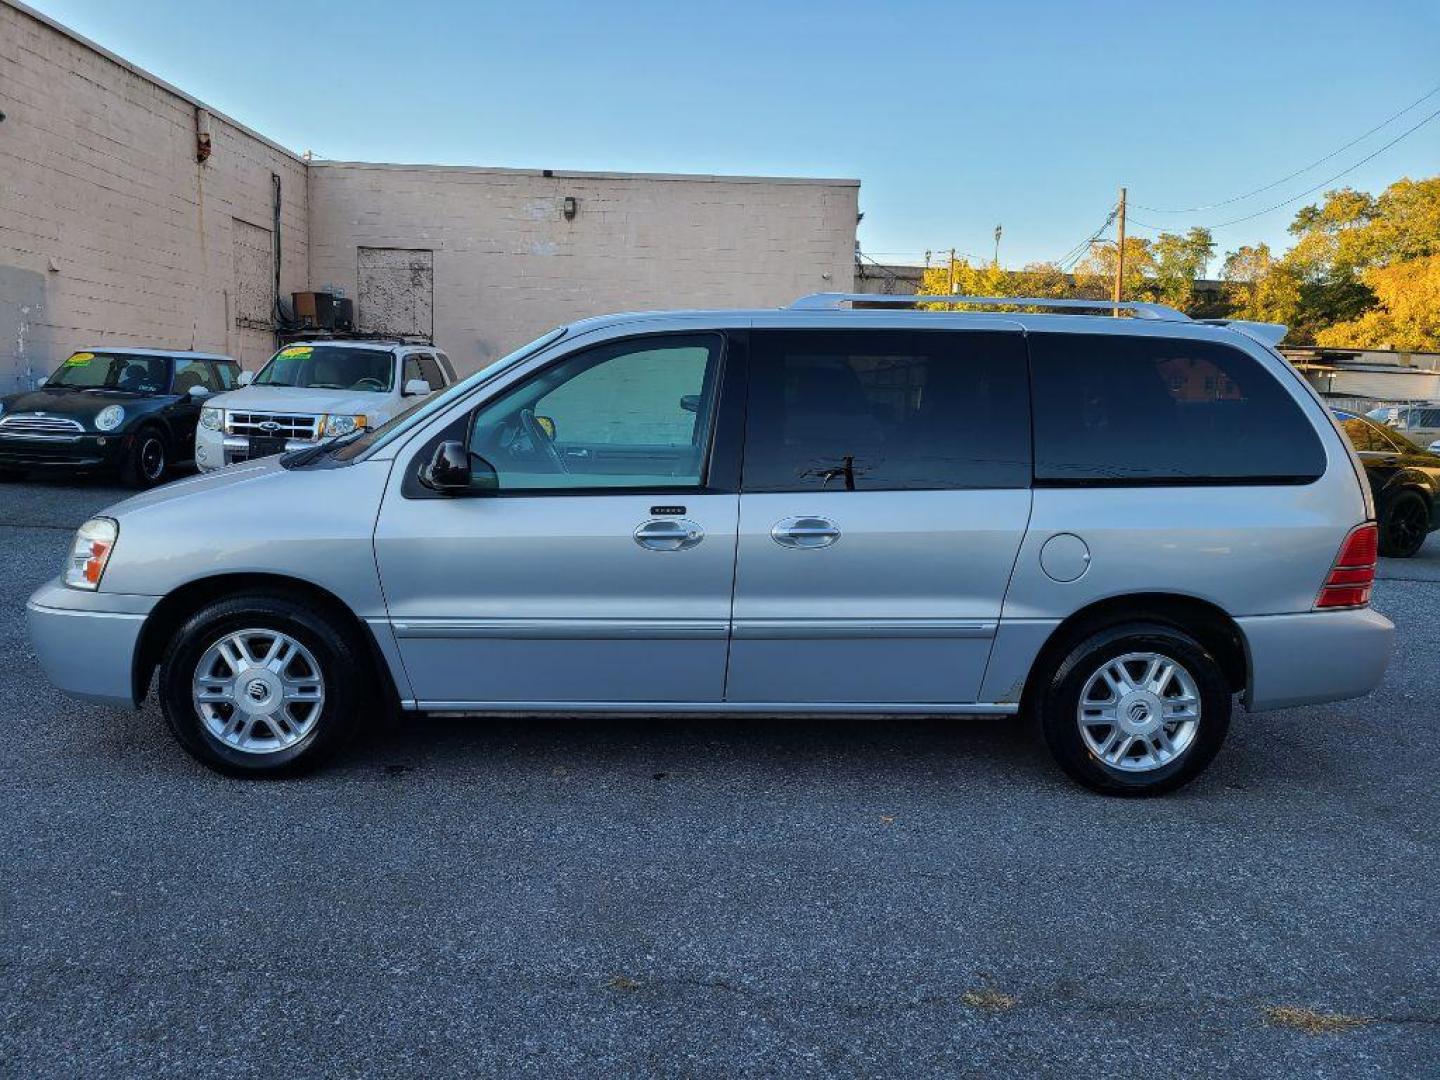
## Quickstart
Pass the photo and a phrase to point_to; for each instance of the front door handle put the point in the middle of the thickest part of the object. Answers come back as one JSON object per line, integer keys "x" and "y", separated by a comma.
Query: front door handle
{"x": 805, "y": 532}
{"x": 668, "y": 534}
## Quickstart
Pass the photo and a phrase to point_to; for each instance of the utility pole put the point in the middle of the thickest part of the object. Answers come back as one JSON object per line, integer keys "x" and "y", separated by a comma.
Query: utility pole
{"x": 952, "y": 271}
{"x": 999, "y": 230}
{"x": 1120, "y": 252}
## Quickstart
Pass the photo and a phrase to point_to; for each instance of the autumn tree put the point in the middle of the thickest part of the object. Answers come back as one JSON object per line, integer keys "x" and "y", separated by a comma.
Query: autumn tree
{"x": 1259, "y": 286}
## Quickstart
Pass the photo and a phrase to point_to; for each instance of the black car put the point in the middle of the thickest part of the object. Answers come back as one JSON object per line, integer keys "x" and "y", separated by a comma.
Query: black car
{"x": 130, "y": 412}
{"x": 1405, "y": 480}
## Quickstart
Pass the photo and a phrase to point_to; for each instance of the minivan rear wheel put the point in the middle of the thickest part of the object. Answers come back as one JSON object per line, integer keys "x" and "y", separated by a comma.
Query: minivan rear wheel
{"x": 257, "y": 685}
{"x": 1138, "y": 709}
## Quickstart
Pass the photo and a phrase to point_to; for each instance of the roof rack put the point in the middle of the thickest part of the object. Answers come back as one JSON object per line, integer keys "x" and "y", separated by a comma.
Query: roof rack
{"x": 831, "y": 301}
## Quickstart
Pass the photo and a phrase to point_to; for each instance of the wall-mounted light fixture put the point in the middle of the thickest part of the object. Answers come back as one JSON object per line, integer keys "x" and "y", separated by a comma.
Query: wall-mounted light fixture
{"x": 570, "y": 207}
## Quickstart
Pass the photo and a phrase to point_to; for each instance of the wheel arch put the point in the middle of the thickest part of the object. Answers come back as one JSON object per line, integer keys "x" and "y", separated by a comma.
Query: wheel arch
{"x": 171, "y": 612}
{"x": 1207, "y": 623}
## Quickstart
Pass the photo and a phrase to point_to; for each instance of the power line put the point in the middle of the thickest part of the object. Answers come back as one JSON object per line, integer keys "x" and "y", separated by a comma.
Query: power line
{"x": 1298, "y": 172}
{"x": 1073, "y": 254}
{"x": 1325, "y": 183}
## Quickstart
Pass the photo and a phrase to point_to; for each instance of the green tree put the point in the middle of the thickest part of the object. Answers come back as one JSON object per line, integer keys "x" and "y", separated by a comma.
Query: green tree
{"x": 1260, "y": 286}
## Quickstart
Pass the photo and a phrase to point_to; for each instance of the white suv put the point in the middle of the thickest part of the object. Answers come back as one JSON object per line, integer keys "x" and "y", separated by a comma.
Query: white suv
{"x": 316, "y": 390}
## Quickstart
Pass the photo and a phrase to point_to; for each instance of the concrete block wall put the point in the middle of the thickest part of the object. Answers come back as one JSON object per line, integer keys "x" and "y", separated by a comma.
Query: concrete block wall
{"x": 110, "y": 231}
{"x": 509, "y": 265}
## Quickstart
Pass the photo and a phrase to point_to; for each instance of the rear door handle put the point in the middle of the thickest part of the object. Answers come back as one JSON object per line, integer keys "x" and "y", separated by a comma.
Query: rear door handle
{"x": 668, "y": 534}
{"x": 805, "y": 532}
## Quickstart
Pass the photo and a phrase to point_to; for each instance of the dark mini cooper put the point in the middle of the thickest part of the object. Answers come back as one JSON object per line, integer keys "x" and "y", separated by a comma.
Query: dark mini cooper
{"x": 130, "y": 412}
{"x": 1405, "y": 480}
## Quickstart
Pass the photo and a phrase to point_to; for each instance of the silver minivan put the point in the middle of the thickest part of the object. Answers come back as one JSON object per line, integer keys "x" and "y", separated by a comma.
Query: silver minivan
{"x": 1113, "y": 526}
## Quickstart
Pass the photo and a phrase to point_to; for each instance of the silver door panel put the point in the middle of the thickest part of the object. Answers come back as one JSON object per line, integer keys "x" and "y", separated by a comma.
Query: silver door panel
{"x": 901, "y": 607}
{"x": 545, "y": 598}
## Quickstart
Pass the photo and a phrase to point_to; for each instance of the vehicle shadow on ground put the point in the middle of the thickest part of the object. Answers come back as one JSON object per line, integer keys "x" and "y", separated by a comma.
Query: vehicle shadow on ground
{"x": 791, "y": 746}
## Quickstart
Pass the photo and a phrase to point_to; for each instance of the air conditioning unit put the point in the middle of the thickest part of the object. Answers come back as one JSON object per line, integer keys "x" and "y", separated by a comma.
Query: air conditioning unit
{"x": 315, "y": 310}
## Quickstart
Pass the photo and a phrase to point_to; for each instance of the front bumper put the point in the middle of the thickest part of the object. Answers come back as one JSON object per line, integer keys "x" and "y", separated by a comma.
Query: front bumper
{"x": 1316, "y": 656}
{"x": 86, "y": 641}
{"x": 80, "y": 452}
{"x": 215, "y": 450}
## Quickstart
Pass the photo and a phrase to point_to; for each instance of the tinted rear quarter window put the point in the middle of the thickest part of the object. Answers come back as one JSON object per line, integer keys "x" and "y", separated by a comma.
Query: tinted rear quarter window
{"x": 880, "y": 410}
{"x": 1115, "y": 408}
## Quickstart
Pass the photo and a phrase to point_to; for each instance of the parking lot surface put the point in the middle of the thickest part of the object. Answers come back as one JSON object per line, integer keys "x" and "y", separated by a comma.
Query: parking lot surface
{"x": 714, "y": 897}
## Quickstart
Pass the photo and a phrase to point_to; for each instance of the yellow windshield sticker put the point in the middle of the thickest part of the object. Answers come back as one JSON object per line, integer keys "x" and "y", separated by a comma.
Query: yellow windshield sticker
{"x": 80, "y": 359}
{"x": 296, "y": 352}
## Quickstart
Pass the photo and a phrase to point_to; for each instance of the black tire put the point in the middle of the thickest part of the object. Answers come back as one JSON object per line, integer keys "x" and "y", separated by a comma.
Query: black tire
{"x": 1404, "y": 524}
{"x": 1057, "y": 704}
{"x": 336, "y": 652}
{"x": 147, "y": 460}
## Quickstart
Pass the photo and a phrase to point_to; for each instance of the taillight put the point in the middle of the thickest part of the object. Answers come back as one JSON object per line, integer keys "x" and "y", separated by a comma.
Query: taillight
{"x": 1353, "y": 575}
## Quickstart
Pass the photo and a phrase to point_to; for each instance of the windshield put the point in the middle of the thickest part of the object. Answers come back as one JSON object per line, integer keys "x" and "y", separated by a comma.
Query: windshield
{"x": 329, "y": 367}
{"x": 424, "y": 407}
{"x": 113, "y": 371}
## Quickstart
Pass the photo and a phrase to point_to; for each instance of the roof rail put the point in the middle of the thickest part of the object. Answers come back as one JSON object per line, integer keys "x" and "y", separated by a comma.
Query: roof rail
{"x": 1267, "y": 333}
{"x": 830, "y": 301}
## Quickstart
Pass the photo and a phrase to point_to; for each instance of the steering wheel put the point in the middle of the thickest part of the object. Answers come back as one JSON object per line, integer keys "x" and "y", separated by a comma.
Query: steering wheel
{"x": 375, "y": 384}
{"x": 540, "y": 437}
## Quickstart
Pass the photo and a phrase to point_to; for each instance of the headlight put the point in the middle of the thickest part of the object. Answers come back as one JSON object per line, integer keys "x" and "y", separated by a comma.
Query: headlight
{"x": 93, "y": 544}
{"x": 343, "y": 425}
{"x": 214, "y": 419}
{"x": 111, "y": 417}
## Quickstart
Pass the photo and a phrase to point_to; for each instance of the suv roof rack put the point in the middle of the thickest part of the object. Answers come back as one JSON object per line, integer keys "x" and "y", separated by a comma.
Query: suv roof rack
{"x": 831, "y": 301}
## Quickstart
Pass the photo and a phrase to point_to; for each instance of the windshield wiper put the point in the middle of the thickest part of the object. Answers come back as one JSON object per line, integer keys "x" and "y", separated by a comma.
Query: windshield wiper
{"x": 300, "y": 458}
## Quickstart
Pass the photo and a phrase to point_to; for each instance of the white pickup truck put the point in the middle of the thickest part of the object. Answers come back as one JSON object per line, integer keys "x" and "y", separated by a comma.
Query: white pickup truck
{"x": 316, "y": 390}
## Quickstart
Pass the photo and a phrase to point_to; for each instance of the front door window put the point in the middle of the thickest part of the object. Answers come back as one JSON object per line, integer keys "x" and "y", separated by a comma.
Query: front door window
{"x": 634, "y": 414}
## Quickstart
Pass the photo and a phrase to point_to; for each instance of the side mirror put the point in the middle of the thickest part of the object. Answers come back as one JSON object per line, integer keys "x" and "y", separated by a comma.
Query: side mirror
{"x": 246, "y": 378}
{"x": 198, "y": 392}
{"x": 453, "y": 470}
{"x": 416, "y": 388}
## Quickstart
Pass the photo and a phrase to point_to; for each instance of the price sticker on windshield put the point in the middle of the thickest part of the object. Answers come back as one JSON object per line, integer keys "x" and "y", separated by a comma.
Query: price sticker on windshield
{"x": 80, "y": 359}
{"x": 296, "y": 352}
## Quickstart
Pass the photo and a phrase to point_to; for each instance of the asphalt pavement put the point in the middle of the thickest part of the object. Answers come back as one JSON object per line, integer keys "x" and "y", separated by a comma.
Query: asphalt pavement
{"x": 576, "y": 897}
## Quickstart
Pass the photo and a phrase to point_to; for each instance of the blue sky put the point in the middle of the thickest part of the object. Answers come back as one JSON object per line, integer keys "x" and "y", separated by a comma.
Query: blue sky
{"x": 954, "y": 116}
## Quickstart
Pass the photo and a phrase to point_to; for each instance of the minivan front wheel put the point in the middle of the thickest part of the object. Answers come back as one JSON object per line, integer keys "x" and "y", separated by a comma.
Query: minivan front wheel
{"x": 258, "y": 685}
{"x": 1135, "y": 710}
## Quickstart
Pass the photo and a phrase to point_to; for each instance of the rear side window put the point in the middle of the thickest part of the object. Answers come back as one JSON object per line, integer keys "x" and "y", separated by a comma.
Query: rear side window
{"x": 208, "y": 374}
{"x": 1120, "y": 409}
{"x": 880, "y": 410}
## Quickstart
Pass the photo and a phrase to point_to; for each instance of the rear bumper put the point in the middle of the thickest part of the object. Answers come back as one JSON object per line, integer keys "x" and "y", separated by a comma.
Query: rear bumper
{"x": 1316, "y": 656}
{"x": 86, "y": 642}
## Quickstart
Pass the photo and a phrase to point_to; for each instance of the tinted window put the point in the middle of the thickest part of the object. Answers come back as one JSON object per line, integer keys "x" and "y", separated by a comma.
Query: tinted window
{"x": 880, "y": 410}
{"x": 1121, "y": 408}
{"x": 1424, "y": 418}
{"x": 629, "y": 414}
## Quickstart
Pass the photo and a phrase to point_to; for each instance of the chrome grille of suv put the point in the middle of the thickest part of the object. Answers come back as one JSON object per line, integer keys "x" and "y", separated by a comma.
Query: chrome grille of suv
{"x": 28, "y": 426}
{"x": 277, "y": 425}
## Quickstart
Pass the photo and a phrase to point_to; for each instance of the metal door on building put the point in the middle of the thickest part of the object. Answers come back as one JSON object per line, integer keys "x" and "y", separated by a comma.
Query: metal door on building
{"x": 251, "y": 301}
{"x": 397, "y": 292}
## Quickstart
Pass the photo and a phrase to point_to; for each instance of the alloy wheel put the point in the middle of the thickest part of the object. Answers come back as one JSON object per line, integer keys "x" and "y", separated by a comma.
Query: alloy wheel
{"x": 1139, "y": 712}
{"x": 258, "y": 691}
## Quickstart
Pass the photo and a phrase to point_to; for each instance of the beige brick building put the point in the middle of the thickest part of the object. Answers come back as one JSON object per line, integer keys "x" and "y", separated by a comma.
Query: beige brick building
{"x": 114, "y": 231}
